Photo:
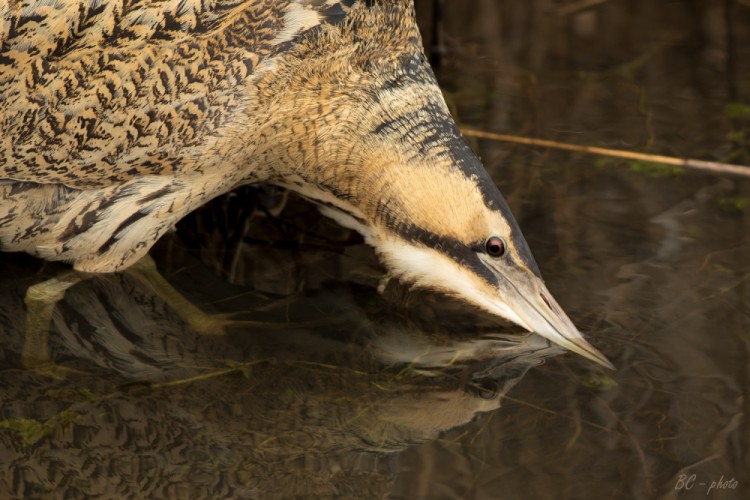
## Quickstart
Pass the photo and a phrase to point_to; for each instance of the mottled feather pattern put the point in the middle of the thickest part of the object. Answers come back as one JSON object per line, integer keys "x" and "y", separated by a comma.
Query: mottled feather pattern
{"x": 176, "y": 102}
{"x": 105, "y": 103}
{"x": 101, "y": 92}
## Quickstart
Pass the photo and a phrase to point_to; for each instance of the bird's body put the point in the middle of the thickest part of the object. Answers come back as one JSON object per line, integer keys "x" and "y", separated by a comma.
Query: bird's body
{"x": 119, "y": 118}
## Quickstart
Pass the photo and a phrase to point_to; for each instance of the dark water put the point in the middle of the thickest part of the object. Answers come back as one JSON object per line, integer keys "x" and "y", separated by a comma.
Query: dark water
{"x": 322, "y": 387}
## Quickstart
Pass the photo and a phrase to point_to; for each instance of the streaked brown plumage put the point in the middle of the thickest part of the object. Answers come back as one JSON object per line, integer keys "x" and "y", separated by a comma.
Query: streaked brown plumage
{"x": 118, "y": 118}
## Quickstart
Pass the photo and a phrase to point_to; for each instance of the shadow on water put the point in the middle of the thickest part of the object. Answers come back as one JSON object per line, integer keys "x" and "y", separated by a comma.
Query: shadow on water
{"x": 340, "y": 391}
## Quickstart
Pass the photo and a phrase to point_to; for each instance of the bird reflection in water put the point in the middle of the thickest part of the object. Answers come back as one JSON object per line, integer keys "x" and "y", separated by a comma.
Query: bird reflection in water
{"x": 318, "y": 398}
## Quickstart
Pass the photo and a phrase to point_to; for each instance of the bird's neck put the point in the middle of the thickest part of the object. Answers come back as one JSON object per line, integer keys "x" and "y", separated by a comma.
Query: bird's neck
{"x": 354, "y": 120}
{"x": 361, "y": 148}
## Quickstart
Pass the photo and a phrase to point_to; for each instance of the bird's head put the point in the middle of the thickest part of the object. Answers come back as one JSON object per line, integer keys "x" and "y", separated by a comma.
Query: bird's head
{"x": 370, "y": 139}
{"x": 441, "y": 224}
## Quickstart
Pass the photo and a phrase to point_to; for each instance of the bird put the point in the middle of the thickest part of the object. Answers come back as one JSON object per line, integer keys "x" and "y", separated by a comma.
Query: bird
{"x": 119, "y": 118}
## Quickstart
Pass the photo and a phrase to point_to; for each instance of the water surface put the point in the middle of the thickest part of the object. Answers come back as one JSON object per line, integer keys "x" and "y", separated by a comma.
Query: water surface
{"x": 310, "y": 382}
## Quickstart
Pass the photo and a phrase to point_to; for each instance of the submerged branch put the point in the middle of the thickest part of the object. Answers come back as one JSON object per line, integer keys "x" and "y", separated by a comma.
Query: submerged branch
{"x": 703, "y": 165}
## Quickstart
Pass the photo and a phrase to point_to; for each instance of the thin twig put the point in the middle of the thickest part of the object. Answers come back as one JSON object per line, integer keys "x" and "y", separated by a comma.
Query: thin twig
{"x": 574, "y": 7}
{"x": 702, "y": 165}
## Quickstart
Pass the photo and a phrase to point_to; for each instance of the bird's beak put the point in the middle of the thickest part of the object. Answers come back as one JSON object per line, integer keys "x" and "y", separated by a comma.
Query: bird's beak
{"x": 512, "y": 291}
{"x": 524, "y": 299}
{"x": 541, "y": 314}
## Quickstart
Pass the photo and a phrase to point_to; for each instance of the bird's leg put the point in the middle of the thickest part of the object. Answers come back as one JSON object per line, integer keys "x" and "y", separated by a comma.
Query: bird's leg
{"x": 200, "y": 322}
{"x": 40, "y": 301}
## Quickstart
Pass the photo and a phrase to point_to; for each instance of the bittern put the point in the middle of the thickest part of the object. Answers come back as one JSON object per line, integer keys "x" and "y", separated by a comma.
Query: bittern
{"x": 119, "y": 118}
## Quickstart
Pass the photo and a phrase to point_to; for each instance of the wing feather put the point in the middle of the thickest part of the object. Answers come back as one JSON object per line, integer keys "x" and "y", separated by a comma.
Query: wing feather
{"x": 95, "y": 93}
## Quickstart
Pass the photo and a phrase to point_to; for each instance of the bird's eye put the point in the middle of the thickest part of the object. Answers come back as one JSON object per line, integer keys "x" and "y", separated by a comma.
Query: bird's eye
{"x": 495, "y": 247}
{"x": 486, "y": 389}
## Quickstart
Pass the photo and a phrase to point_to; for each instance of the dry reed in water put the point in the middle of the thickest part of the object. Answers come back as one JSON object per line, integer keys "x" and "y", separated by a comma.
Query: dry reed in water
{"x": 702, "y": 165}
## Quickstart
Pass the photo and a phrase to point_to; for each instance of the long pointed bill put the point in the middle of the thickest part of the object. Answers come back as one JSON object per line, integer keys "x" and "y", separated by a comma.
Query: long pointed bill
{"x": 522, "y": 297}
{"x": 541, "y": 314}
{"x": 512, "y": 292}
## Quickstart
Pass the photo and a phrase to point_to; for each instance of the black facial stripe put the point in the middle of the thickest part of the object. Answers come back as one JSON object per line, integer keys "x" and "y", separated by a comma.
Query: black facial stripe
{"x": 464, "y": 255}
{"x": 429, "y": 133}
{"x": 462, "y": 157}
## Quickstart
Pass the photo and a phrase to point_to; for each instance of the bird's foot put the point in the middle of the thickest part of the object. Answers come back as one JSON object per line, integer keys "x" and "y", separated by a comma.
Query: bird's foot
{"x": 216, "y": 324}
